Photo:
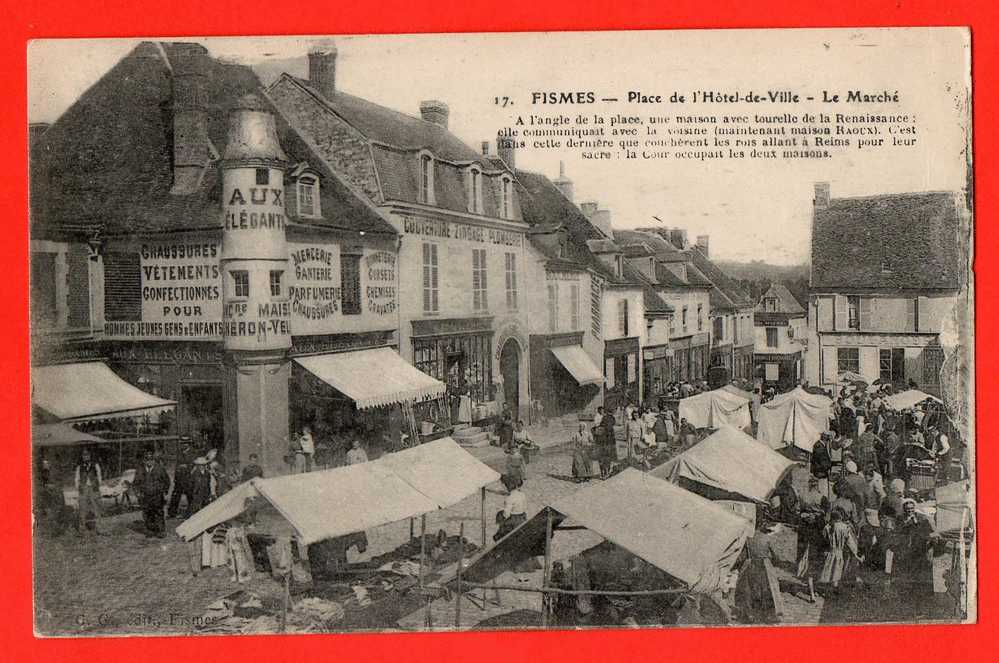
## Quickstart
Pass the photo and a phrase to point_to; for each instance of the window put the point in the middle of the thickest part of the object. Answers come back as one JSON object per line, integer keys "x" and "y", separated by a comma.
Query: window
{"x": 932, "y": 363}
{"x": 848, "y": 359}
{"x": 891, "y": 364}
{"x": 480, "y": 298}
{"x": 308, "y": 200}
{"x": 44, "y": 289}
{"x": 474, "y": 192}
{"x": 263, "y": 176}
{"x": 719, "y": 329}
{"x": 618, "y": 266}
{"x": 700, "y": 317}
{"x": 461, "y": 360}
{"x": 683, "y": 319}
{"x": 240, "y": 283}
{"x": 596, "y": 299}
{"x": 672, "y": 326}
{"x": 430, "y": 283}
{"x": 622, "y": 316}
{"x": 506, "y": 198}
{"x": 884, "y": 364}
{"x": 912, "y": 315}
{"x": 350, "y": 284}
{"x": 574, "y": 305}
{"x": 511, "y": 281}
{"x": 553, "y": 306}
{"x": 736, "y": 323}
{"x": 772, "y": 337}
{"x": 770, "y": 305}
{"x": 276, "y": 275}
{"x": 426, "y": 179}
{"x": 853, "y": 312}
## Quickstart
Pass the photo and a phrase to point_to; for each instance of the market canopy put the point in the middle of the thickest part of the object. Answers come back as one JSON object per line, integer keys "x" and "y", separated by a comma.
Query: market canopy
{"x": 728, "y": 462}
{"x": 578, "y": 363}
{"x": 796, "y": 419}
{"x": 690, "y": 538}
{"x": 954, "y": 515}
{"x": 89, "y": 390}
{"x": 60, "y": 435}
{"x": 373, "y": 378}
{"x": 742, "y": 393}
{"x": 714, "y": 409}
{"x": 909, "y": 398}
{"x": 331, "y": 503}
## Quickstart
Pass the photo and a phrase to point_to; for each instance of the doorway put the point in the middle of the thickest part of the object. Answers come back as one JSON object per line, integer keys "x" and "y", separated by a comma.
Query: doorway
{"x": 200, "y": 415}
{"x": 510, "y": 370}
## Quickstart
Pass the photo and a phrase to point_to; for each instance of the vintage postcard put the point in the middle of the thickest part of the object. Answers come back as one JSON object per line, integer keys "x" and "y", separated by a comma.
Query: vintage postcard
{"x": 502, "y": 331}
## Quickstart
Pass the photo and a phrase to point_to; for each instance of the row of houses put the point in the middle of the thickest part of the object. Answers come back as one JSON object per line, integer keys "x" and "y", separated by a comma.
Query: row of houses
{"x": 275, "y": 257}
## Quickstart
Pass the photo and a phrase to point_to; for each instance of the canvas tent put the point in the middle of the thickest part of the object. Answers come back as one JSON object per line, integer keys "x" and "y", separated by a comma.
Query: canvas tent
{"x": 332, "y": 503}
{"x": 727, "y": 464}
{"x": 691, "y": 539}
{"x": 717, "y": 408}
{"x": 795, "y": 419}
{"x": 60, "y": 435}
{"x": 908, "y": 399}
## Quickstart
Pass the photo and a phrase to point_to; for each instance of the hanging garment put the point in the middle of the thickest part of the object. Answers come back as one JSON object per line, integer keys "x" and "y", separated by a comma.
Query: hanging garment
{"x": 240, "y": 555}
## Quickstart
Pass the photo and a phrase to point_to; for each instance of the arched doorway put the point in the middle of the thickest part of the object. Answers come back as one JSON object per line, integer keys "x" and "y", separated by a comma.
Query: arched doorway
{"x": 510, "y": 370}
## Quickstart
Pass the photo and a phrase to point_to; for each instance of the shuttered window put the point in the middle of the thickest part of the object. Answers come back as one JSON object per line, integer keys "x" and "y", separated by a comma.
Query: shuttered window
{"x": 553, "y": 307}
{"x": 430, "y": 278}
{"x": 480, "y": 299}
{"x": 510, "y": 269}
{"x": 350, "y": 283}
{"x": 122, "y": 286}
{"x": 574, "y": 306}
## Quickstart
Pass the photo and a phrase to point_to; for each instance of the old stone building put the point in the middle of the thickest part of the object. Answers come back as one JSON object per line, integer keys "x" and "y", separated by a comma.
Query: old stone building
{"x": 886, "y": 274}
{"x": 462, "y": 247}
{"x": 187, "y": 236}
{"x": 781, "y": 337}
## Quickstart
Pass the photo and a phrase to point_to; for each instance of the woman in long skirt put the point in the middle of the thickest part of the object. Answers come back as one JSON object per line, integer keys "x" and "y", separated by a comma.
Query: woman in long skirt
{"x": 842, "y": 550}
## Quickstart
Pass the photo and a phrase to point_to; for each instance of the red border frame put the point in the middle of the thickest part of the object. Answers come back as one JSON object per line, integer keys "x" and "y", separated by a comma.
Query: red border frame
{"x": 45, "y": 18}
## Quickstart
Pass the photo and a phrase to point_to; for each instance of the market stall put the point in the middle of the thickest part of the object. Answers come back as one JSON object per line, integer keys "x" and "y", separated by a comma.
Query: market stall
{"x": 728, "y": 465}
{"x": 794, "y": 419}
{"x": 670, "y": 542}
{"x": 717, "y": 408}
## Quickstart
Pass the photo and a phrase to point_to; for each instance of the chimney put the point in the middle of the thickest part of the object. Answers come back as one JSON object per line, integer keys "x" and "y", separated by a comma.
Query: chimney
{"x": 678, "y": 238}
{"x": 602, "y": 220}
{"x": 191, "y": 146}
{"x": 485, "y": 148}
{"x": 252, "y": 133}
{"x": 563, "y": 183}
{"x": 322, "y": 68}
{"x": 588, "y": 208}
{"x": 702, "y": 243}
{"x": 433, "y": 110}
{"x": 506, "y": 149}
{"x": 821, "y": 195}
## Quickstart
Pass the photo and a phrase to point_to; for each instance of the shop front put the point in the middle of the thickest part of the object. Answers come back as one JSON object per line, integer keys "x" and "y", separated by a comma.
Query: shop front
{"x": 743, "y": 368}
{"x": 459, "y": 353}
{"x": 721, "y": 355}
{"x": 690, "y": 357}
{"x": 564, "y": 379}
{"x": 782, "y": 371}
{"x": 657, "y": 362}
{"x": 622, "y": 372}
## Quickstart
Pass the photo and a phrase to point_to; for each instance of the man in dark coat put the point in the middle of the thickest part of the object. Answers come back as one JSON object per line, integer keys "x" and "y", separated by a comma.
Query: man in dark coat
{"x": 821, "y": 462}
{"x": 152, "y": 484}
{"x": 181, "y": 480}
{"x": 201, "y": 485}
{"x": 608, "y": 446}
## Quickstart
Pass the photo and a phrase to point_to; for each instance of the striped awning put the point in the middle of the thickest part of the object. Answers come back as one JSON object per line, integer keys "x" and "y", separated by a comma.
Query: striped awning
{"x": 579, "y": 364}
{"x": 373, "y": 378}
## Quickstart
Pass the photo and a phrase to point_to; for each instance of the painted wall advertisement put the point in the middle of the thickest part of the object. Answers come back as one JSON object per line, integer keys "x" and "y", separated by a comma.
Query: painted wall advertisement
{"x": 181, "y": 292}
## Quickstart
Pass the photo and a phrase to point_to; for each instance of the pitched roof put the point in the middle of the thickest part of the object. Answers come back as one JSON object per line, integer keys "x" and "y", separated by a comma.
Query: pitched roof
{"x": 786, "y": 302}
{"x": 894, "y": 241}
{"x": 730, "y": 287}
{"x": 107, "y": 163}
{"x": 543, "y": 205}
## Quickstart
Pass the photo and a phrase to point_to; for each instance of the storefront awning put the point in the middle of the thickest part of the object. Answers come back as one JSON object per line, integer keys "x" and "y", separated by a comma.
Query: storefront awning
{"x": 60, "y": 435}
{"x": 579, "y": 364}
{"x": 373, "y": 378}
{"x": 91, "y": 390}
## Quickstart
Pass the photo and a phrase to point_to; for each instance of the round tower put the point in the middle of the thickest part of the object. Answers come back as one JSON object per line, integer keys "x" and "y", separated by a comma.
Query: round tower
{"x": 256, "y": 310}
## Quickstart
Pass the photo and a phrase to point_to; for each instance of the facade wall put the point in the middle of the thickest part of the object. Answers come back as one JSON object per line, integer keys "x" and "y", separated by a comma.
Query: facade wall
{"x": 790, "y": 334}
{"x": 690, "y": 298}
{"x": 875, "y": 354}
{"x": 912, "y": 311}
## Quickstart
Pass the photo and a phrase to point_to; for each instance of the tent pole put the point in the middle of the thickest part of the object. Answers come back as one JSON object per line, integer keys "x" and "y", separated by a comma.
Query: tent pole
{"x": 461, "y": 563}
{"x": 286, "y": 599}
{"x": 547, "y": 572}
{"x": 482, "y": 514}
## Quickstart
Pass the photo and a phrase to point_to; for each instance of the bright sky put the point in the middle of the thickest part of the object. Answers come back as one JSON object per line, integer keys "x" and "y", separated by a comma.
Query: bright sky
{"x": 751, "y": 209}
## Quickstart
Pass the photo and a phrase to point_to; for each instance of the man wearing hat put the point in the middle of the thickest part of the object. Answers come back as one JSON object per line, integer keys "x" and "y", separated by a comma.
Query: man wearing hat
{"x": 821, "y": 462}
{"x": 152, "y": 482}
{"x": 88, "y": 482}
{"x": 181, "y": 478}
{"x": 201, "y": 485}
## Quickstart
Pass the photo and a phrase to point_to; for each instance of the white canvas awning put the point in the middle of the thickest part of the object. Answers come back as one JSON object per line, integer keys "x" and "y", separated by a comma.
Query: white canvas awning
{"x": 796, "y": 418}
{"x": 90, "y": 390}
{"x": 690, "y": 538}
{"x": 60, "y": 435}
{"x": 579, "y": 364}
{"x": 714, "y": 409}
{"x": 909, "y": 398}
{"x": 331, "y": 503}
{"x": 373, "y": 378}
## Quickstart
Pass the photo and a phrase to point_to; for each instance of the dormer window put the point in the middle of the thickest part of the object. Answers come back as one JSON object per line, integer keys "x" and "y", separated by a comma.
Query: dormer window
{"x": 426, "y": 179}
{"x": 308, "y": 196}
{"x": 506, "y": 198}
{"x": 474, "y": 190}
{"x": 885, "y": 267}
{"x": 770, "y": 305}
{"x": 618, "y": 266}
